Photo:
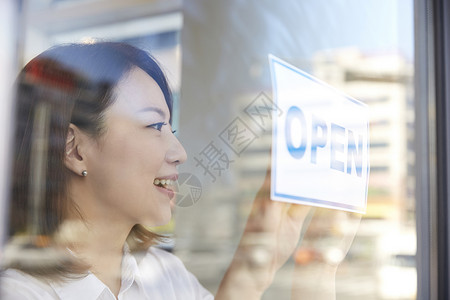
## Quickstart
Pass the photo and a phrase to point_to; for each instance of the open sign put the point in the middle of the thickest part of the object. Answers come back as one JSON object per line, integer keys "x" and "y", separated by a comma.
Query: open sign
{"x": 320, "y": 146}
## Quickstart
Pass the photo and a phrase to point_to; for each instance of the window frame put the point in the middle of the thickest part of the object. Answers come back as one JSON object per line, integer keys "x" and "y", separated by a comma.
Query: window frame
{"x": 432, "y": 94}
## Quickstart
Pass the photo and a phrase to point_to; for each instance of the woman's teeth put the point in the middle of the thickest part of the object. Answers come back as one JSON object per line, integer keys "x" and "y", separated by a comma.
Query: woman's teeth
{"x": 163, "y": 182}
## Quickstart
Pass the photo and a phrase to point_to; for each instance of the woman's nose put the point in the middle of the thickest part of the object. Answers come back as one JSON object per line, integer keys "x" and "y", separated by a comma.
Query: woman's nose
{"x": 176, "y": 153}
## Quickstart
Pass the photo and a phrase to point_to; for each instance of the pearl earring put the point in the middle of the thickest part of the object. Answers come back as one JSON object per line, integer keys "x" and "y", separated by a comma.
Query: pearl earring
{"x": 84, "y": 173}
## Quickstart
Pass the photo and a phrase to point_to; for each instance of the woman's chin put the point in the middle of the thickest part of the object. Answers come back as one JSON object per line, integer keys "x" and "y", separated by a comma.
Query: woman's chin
{"x": 162, "y": 219}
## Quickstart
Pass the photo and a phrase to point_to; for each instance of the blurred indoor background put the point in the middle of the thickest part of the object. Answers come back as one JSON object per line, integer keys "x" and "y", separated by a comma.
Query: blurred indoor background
{"x": 215, "y": 56}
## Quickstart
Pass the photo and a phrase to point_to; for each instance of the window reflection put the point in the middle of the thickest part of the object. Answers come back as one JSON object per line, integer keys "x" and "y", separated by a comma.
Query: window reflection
{"x": 384, "y": 82}
{"x": 366, "y": 55}
{"x": 224, "y": 53}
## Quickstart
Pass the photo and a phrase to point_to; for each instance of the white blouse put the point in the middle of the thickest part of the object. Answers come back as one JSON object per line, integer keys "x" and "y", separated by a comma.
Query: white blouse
{"x": 159, "y": 275}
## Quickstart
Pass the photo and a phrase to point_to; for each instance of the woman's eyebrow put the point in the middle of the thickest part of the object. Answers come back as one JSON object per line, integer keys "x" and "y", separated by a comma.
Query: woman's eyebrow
{"x": 155, "y": 109}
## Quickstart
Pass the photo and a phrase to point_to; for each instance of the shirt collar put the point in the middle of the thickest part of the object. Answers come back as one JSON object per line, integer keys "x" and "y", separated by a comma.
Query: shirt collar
{"x": 90, "y": 287}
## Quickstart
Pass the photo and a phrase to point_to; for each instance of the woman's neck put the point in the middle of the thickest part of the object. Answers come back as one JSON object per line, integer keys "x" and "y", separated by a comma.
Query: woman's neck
{"x": 97, "y": 234}
{"x": 99, "y": 243}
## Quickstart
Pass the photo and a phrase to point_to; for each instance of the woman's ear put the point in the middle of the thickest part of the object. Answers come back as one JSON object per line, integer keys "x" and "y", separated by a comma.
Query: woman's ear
{"x": 73, "y": 156}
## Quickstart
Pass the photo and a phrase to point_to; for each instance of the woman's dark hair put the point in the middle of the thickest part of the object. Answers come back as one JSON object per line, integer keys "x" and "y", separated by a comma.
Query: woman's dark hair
{"x": 71, "y": 83}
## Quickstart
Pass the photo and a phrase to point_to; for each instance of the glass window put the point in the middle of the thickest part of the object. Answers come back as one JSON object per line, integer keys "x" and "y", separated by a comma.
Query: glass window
{"x": 364, "y": 49}
{"x": 215, "y": 56}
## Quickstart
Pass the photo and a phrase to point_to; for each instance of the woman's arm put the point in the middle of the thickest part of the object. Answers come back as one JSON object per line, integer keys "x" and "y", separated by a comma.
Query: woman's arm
{"x": 269, "y": 239}
{"x": 271, "y": 236}
{"x": 327, "y": 239}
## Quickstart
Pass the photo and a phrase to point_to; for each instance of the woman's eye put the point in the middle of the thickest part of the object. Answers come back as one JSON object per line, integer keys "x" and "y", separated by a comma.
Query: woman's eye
{"x": 157, "y": 126}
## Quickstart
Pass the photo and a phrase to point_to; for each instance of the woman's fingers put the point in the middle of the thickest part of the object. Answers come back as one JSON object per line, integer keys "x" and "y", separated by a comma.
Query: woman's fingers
{"x": 298, "y": 212}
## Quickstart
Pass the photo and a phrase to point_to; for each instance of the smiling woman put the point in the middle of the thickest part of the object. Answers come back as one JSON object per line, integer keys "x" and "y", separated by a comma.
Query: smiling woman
{"x": 137, "y": 148}
{"x": 95, "y": 163}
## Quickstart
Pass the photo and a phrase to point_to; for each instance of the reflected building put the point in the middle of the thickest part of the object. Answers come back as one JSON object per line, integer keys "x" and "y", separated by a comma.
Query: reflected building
{"x": 384, "y": 82}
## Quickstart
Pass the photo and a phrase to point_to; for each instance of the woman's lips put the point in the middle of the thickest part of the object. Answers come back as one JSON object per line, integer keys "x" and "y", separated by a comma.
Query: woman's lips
{"x": 166, "y": 191}
{"x": 166, "y": 184}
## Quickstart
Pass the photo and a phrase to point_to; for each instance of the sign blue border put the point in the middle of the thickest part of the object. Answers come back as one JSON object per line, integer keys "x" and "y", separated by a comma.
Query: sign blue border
{"x": 318, "y": 202}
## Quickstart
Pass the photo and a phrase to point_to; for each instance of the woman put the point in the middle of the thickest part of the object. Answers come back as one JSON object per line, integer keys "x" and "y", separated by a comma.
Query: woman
{"x": 111, "y": 161}
{"x": 95, "y": 161}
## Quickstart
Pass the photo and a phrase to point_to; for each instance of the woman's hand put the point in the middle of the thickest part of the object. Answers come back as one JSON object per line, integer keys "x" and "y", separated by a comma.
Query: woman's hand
{"x": 271, "y": 236}
{"x": 269, "y": 239}
{"x": 325, "y": 244}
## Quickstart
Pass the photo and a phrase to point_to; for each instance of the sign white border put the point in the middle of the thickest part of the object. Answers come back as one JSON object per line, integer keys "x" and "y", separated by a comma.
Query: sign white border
{"x": 276, "y": 195}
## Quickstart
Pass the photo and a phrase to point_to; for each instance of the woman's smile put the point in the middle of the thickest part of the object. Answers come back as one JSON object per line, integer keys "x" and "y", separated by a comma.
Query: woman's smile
{"x": 166, "y": 184}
